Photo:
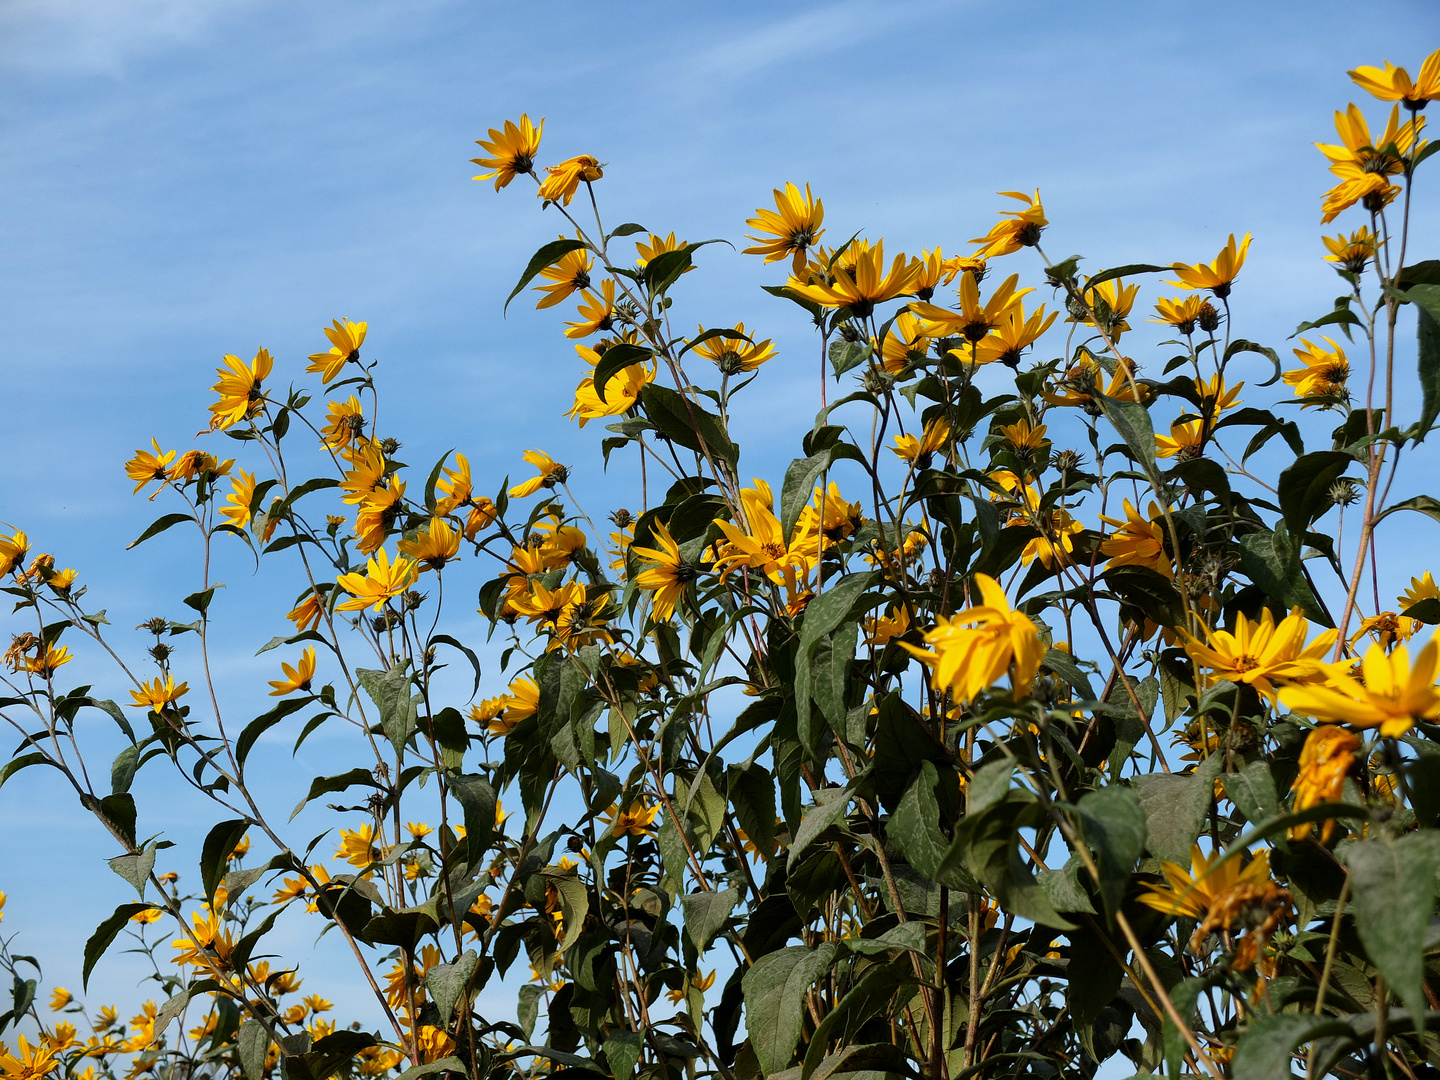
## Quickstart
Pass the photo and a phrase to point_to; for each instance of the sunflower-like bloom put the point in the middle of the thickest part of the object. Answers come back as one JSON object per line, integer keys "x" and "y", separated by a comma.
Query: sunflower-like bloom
{"x": 13, "y": 550}
{"x": 1325, "y": 371}
{"x": 512, "y": 151}
{"x": 1215, "y": 396}
{"x": 357, "y": 846}
{"x": 433, "y": 548}
{"x": 569, "y": 273}
{"x": 918, "y": 451}
{"x": 1137, "y": 541}
{"x": 736, "y": 355}
{"x": 636, "y": 821}
{"x": 456, "y": 485}
{"x": 1184, "y": 440}
{"x": 145, "y": 468}
{"x": 597, "y": 313}
{"x": 1421, "y": 588}
{"x": 296, "y": 678}
{"x": 1110, "y": 304}
{"x": 1217, "y": 893}
{"x": 562, "y": 181}
{"x": 1387, "y": 628}
{"x": 980, "y": 645}
{"x": 1216, "y": 276}
{"x": 657, "y": 245}
{"x": 1264, "y": 654}
{"x": 551, "y": 474}
{"x": 237, "y": 503}
{"x": 862, "y": 286}
{"x": 196, "y": 463}
{"x": 239, "y": 389}
{"x": 346, "y": 337}
{"x": 667, "y": 575}
{"x": 381, "y": 581}
{"x": 1352, "y": 252}
{"x": 502, "y": 714}
{"x": 1056, "y": 540}
{"x": 1179, "y": 313}
{"x": 905, "y": 344}
{"x": 157, "y": 696}
{"x": 377, "y": 514}
{"x": 29, "y": 1062}
{"x": 1024, "y": 437}
{"x": 1395, "y": 84}
{"x": 1328, "y": 754}
{"x": 344, "y": 422}
{"x": 974, "y": 321}
{"x": 1021, "y": 230}
{"x": 792, "y": 228}
{"x": 1363, "y": 164}
{"x": 763, "y": 548}
{"x": 1009, "y": 340}
{"x": 934, "y": 270}
{"x": 307, "y": 612}
{"x": 1083, "y": 381}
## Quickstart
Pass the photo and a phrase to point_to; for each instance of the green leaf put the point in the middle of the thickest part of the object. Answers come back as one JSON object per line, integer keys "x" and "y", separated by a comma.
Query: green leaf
{"x": 122, "y": 770}
{"x": 1421, "y": 504}
{"x": 324, "y": 785}
{"x": 445, "y": 1064}
{"x": 752, "y": 795}
{"x": 105, "y": 934}
{"x": 477, "y": 798}
{"x": 1240, "y": 345}
{"x": 135, "y": 868}
{"x": 1113, "y": 824}
{"x": 845, "y": 355}
{"x": 1175, "y": 807}
{"x": 1094, "y": 979}
{"x": 172, "y": 1008}
{"x": 775, "y": 989}
{"x": 1128, "y": 270}
{"x": 1264, "y": 1051}
{"x": 622, "y": 1051}
{"x": 215, "y": 854}
{"x": 264, "y": 723}
{"x": 158, "y": 526}
{"x": 1394, "y": 897}
{"x": 1428, "y": 343}
{"x": 390, "y": 690}
{"x": 546, "y": 256}
{"x": 1253, "y": 792}
{"x": 870, "y": 995}
{"x": 404, "y": 928}
{"x": 685, "y": 423}
{"x": 447, "y": 982}
{"x": 328, "y": 1055}
{"x": 705, "y": 915}
{"x": 1186, "y": 998}
{"x": 252, "y": 1042}
{"x": 1304, "y": 490}
{"x": 119, "y": 811}
{"x": 200, "y": 601}
{"x": 614, "y": 360}
{"x": 1272, "y": 562}
{"x": 817, "y": 819}
{"x": 14, "y": 765}
{"x": 1132, "y": 422}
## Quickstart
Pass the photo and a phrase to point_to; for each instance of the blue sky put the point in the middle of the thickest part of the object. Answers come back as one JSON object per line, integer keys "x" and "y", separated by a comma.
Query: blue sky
{"x": 186, "y": 178}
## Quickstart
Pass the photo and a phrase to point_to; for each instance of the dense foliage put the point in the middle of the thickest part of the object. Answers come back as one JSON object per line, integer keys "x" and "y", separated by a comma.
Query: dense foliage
{"x": 1000, "y": 735}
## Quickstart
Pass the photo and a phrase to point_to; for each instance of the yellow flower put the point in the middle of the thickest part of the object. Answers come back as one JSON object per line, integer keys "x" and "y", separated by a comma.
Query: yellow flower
{"x": 1325, "y": 371}
{"x": 157, "y": 696}
{"x": 622, "y": 389}
{"x": 239, "y": 390}
{"x": 905, "y": 344}
{"x": 636, "y": 821}
{"x": 1022, "y": 437}
{"x": 512, "y": 151}
{"x": 1184, "y": 440}
{"x": 366, "y": 472}
{"x": 861, "y": 288}
{"x": 1055, "y": 543}
{"x": 307, "y": 612}
{"x": 1137, "y": 542}
{"x": 346, "y": 337}
{"x": 1390, "y": 695}
{"x": 1325, "y": 760}
{"x": 1421, "y": 588}
{"x": 1264, "y": 654}
{"x": 562, "y": 180}
{"x": 296, "y": 678}
{"x": 434, "y": 547}
{"x": 1363, "y": 164}
{"x": 1215, "y": 395}
{"x": 667, "y": 575}
{"x": 1354, "y": 251}
{"x": 763, "y": 547}
{"x": 29, "y": 1062}
{"x": 881, "y": 629}
{"x": 210, "y": 943}
{"x": 1387, "y": 628}
{"x": 1394, "y": 84}
{"x": 980, "y": 645}
{"x": 59, "y": 998}
{"x": 569, "y": 273}
{"x": 46, "y": 664}
{"x": 792, "y": 228}
{"x": 357, "y": 846}
{"x": 378, "y": 511}
{"x": 596, "y": 312}
{"x": 656, "y": 245}
{"x": 1111, "y": 302}
{"x": 1179, "y": 313}
{"x": 974, "y": 321}
{"x": 382, "y": 580}
{"x": 1216, "y": 276}
{"x": 13, "y": 550}
{"x": 344, "y": 421}
{"x": 1014, "y": 334}
{"x": 918, "y": 451}
{"x": 503, "y": 713}
{"x": 237, "y": 503}
{"x": 551, "y": 474}
{"x": 1219, "y": 893}
{"x": 738, "y": 354}
{"x": 149, "y": 915}
{"x": 1021, "y": 230}
{"x": 145, "y": 467}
